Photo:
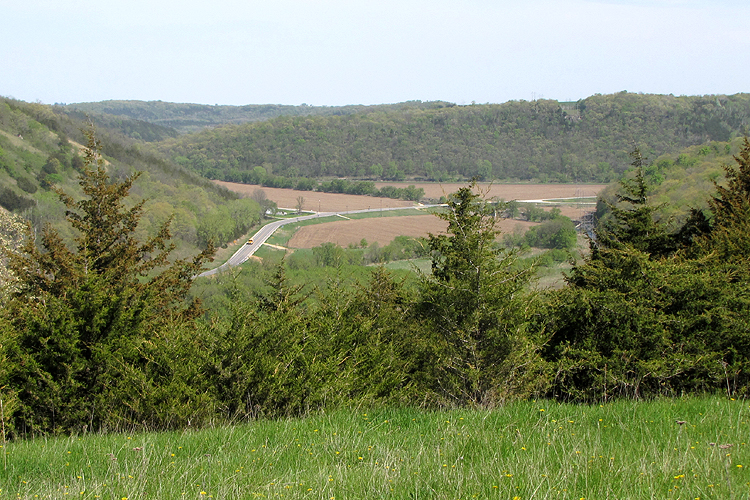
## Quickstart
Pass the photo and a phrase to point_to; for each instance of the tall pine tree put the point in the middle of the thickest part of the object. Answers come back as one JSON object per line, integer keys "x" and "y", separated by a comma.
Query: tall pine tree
{"x": 473, "y": 302}
{"x": 632, "y": 221}
{"x": 729, "y": 239}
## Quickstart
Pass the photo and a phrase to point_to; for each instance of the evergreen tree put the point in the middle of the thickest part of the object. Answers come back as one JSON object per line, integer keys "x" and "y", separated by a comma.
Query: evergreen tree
{"x": 650, "y": 313}
{"x": 729, "y": 239}
{"x": 632, "y": 220}
{"x": 83, "y": 315}
{"x": 473, "y": 301}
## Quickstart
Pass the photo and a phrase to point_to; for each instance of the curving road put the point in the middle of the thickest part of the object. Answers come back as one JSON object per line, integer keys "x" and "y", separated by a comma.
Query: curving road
{"x": 266, "y": 231}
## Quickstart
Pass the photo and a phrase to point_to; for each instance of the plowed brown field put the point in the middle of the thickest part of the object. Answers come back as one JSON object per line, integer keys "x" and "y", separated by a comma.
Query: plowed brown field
{"x": 329, "y": 202}
{"x": 508, "y": 192}
{"x": 383, "y": 230}
{"x": 315, "y": 201}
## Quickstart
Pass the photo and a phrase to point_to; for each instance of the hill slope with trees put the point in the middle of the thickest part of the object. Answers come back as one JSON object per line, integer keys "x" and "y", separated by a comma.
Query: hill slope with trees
{"x": 679, "y": 182}
{"x": 40, "y": 151}
{"x": 548, "y": 141}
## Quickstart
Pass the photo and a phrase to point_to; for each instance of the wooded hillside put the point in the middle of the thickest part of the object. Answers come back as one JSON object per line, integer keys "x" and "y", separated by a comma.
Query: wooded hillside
{"x": 40, "y": 150}
{"x": 547, "y": 141}
{"x": 186, "y": 118}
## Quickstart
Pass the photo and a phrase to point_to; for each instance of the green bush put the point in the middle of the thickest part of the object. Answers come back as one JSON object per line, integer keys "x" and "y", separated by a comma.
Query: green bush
{"x": 26, "y": 184}
{"x": 652, "y": 313}
{"x": 558, "y": 233}
{"x": 12, "y": 201}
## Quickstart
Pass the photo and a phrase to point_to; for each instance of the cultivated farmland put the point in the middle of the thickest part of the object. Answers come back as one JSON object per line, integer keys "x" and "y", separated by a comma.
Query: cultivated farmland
{"x": 330, "y": 202}
{"x": 433, "y": 190}
{"x": 383, "y": 230}
{"x": 316, "y": 201}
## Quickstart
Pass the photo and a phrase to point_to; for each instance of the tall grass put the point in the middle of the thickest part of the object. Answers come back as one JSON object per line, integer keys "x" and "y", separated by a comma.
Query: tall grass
{"x": 524, "y": 450}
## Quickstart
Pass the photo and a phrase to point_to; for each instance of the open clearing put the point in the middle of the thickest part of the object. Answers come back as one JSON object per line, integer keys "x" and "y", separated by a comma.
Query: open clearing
{"x": 383, "y": 230}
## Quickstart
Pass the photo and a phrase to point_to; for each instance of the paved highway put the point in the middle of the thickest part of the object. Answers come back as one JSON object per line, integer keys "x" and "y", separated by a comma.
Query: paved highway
{"x": 266, "y": 231}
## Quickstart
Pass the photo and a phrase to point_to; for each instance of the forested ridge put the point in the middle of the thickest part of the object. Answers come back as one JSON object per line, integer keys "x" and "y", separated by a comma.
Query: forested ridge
{"x": 133, "y": 128}
{"x": 186, "y": 118}
{"x": 547, "y": 141}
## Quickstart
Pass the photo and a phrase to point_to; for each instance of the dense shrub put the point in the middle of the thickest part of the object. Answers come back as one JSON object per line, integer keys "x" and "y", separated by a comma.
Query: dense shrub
{"x": 653, "y": 313}
{"x": 558, "y": 233}
{"x": 26, "y": 184}
{"x": 12, "y": 201}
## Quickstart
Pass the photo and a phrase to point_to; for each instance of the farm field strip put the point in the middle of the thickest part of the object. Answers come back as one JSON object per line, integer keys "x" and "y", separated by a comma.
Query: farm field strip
{"x": 508, "y": 192}
{"x": 380, "y": 230}
{"x": 334, "y": 202}
{"x": 317, "y": 201}
{"x": 285, "y": 233}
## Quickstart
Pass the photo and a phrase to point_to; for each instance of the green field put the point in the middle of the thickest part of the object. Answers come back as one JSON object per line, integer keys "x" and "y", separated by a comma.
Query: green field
{"x": 424, "y": 265}
{"x": 524, "y": 450}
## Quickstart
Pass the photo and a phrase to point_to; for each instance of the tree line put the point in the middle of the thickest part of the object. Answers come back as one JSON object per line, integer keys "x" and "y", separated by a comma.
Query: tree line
{"x": 103, "y": 336}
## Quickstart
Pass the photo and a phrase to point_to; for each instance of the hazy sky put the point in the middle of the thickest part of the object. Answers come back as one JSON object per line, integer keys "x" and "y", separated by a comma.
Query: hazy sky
{"x": 335, "y": 52}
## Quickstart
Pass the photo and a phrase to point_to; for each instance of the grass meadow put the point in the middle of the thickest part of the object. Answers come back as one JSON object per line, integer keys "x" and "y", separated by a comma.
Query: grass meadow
{"x": 682, "y": 449}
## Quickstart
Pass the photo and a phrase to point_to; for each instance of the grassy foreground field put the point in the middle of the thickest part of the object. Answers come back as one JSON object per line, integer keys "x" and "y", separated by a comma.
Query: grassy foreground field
{"x": 524, "y": 450}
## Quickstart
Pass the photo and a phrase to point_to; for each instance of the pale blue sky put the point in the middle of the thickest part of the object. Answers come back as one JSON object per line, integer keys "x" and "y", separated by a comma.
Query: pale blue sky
{"x": 335, "y": 52}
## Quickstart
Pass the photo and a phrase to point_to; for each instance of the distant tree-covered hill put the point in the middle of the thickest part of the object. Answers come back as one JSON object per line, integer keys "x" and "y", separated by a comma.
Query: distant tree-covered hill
{"x": 547, "y": 141}
{"x": 186, "y": 118}
{"x": 132, "y": 128}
